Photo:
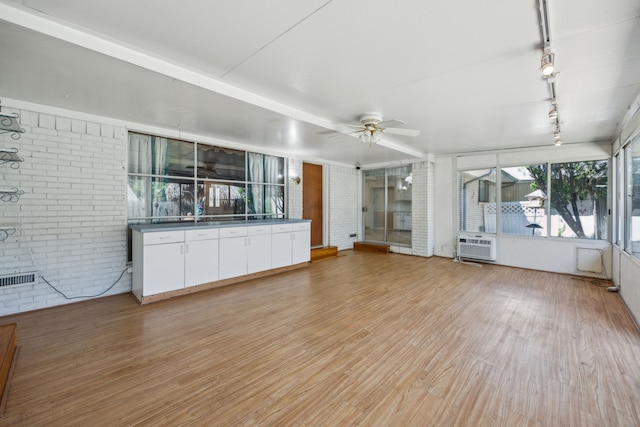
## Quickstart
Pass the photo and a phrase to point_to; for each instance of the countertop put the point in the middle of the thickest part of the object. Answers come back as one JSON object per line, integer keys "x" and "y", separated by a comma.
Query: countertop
{"x": 187, "y": 225}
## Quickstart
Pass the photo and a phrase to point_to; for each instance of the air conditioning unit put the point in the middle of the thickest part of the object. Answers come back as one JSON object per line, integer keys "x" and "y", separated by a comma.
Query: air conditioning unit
{"x": 477, "y": 247}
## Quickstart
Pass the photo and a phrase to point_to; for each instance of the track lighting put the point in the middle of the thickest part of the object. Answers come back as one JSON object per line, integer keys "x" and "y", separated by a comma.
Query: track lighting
{"x": 556, "y": 136}
{"x": 546, "y": 63}
{"x": 553, "y": 112}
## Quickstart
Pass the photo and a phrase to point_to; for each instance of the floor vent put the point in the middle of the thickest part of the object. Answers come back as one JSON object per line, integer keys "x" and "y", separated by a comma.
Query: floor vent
{"x": 18, "y": 279}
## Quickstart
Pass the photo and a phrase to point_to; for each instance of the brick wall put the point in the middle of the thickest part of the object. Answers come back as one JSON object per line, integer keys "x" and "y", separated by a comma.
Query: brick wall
{"x": 71, "y": 221}
{"x": 344, "y": 209}
{"x": 294, "y": 191}
{"x": 422, "y": 209}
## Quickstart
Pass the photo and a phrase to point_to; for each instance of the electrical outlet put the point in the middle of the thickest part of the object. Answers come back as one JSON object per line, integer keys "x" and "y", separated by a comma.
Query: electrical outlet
{"x": 130, "y": 270}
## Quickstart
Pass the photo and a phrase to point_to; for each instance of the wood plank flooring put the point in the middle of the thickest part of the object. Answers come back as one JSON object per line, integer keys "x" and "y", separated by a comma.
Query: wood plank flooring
{"x": 360, "y": 339}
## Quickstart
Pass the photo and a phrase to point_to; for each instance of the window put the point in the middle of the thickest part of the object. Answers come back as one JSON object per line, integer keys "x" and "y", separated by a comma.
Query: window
{"x": 618, "y": 238}
{"x": 477, "y": 207}
{"x": 579, "y": 199}
{"x": 523, "y": 201}
{"x": 171, "y": 180}
{"x": 483, "y": 191}
{"x": 632, "y": 193}
{"x": 556, "y": 200}
{"x": 265, "y": 191}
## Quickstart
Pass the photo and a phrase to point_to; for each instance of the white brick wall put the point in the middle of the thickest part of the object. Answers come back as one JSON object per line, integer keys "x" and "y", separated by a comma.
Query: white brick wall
{"x": 71, "y": 222}
{"x": 422, "y": 210}
{"x": 344, "y": 209}
{"x": 294, "y": 191}
{"x": 431, "y": 208}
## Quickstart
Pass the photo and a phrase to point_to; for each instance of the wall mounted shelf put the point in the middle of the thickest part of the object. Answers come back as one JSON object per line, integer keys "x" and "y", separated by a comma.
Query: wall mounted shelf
{"x": 10, "y": 156}
{"x": 10, "y": 194}
{"x": 9, "y": 124}
{"x": 5, "y": 232}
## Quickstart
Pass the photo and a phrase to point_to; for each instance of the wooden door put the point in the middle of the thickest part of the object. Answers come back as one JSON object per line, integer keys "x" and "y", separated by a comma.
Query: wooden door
{"x": 312, "y": 200}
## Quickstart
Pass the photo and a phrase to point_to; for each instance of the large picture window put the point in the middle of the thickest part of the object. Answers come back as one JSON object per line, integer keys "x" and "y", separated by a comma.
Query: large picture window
{"x": 632, "y": 193}
{"x": 579, "y": 199}
{"x": 171, "y": 180}
{"x": 556, "y": 200}
{"x": 477, "y": 194}
{"x": 523, "y": 202}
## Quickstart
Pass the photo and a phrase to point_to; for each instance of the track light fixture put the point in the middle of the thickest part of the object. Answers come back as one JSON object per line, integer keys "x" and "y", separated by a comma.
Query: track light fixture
{"x": 553, "y": 112}
{"x": 547, "y": 63}
{"x": 556, "y": 136}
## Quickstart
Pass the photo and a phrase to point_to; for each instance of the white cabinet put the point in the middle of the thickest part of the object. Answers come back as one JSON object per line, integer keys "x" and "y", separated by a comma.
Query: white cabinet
{"x": 162, "y": 263}
{"x": 301, "y": 246}
{"x": 281, "y": 245}
{"x": 233, "y": 252}
{"x": 165, "y": 261}
{"x": 244, "y": 250}
{"x": 290, "y": 244}
{"x": 201, "y": 256}
{"x": 258, "y": 248}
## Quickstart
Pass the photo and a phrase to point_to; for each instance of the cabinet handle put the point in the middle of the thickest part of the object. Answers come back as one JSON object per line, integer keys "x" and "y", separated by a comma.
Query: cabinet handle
{"x": 181, "y": 249}
{"x": 187, "y": 248}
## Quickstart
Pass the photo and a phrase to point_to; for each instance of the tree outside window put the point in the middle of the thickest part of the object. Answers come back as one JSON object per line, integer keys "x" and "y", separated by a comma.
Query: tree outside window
{"x": 578, "y": 196}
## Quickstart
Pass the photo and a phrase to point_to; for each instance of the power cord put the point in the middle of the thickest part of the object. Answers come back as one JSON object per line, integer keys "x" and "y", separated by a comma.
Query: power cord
{"x": 84, "y": 296}
{"x": 461, "y": 261}
{"x": 79, "y": 296}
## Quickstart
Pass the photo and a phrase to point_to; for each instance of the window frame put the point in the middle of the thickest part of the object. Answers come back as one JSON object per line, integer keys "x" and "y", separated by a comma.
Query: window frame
{"x": 196, "y": 180}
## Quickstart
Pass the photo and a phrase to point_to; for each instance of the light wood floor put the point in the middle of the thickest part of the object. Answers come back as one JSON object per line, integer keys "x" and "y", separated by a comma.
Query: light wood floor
{"x": 361, "y": 339}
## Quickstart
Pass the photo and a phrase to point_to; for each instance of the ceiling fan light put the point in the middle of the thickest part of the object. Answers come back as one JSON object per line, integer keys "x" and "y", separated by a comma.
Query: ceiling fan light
{"x": 553, "y": 112}
{"x": 546, "y": 64}
{"x": 558, "y": 142}
{"x": 365, "y": 137}
{"x": 376, "y": 136}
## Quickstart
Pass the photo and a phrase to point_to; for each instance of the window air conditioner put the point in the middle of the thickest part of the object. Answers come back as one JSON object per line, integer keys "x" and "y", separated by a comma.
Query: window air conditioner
{"x": 477, "y": 247}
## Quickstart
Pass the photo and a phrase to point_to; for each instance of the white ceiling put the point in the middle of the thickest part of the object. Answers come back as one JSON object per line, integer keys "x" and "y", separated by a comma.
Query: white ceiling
{"x": 280, "y": 74}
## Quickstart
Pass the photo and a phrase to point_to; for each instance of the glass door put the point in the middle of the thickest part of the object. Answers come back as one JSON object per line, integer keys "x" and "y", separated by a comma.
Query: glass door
{"x": 374, "y": 219}
{"x": 387, "y": 205}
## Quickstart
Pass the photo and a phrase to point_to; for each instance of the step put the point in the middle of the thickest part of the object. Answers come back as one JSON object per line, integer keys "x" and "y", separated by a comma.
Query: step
{"x": 7, "y": 355}
{"x": 372, "y": 247}
{"x": 324, "y": 252}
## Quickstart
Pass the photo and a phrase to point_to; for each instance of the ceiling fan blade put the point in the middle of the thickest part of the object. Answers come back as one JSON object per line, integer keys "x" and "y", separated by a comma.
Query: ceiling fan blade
{"x": 349, "y": 125}
{"x": 403, "y": 132}
{"x": 335, "y": 134}
{"x": 391, "y": 123}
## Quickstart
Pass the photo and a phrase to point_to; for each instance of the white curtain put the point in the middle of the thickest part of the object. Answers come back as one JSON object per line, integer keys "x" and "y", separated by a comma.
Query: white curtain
{"x": 139, "y": 205}
{"x": 256, "y": 175}
{"x": 273, "y": 197}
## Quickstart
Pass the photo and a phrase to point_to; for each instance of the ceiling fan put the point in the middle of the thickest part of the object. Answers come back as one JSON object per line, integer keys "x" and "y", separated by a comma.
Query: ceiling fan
{"x": 372, "y": 127}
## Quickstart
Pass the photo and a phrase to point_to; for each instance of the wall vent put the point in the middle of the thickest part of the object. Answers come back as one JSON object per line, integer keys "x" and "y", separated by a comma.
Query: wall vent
{"x": 18, "y": 279}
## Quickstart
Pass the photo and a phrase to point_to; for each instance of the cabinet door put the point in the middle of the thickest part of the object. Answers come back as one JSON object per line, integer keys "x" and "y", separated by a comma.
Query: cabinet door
{"x": 281, "y": 245}
{"x": 233, "y": 257}
{"x": 259, "y": 253}
{"x": 200, "y": 262}
{"x": 163, "y": 268}
{"x": 301, "y": 246}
